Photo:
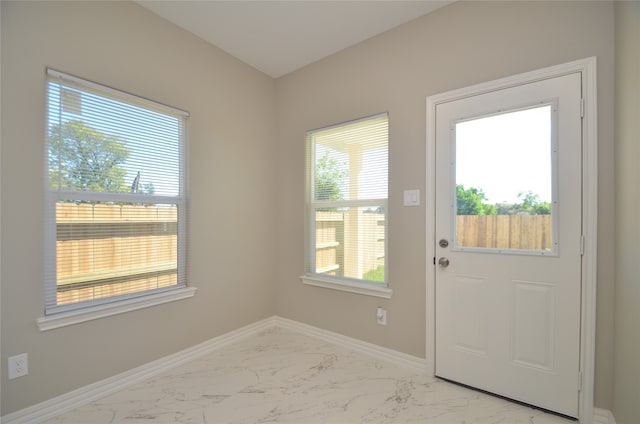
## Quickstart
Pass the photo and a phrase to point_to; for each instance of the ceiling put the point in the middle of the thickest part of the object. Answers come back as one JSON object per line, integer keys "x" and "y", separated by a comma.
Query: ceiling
{"x": 278, "y": 37}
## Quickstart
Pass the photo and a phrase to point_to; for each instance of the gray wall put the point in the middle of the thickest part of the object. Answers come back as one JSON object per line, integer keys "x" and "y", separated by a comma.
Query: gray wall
{"x": 231, "y": 175}
{"x": 626, "y": 390}
{"x": 460, "y": 45}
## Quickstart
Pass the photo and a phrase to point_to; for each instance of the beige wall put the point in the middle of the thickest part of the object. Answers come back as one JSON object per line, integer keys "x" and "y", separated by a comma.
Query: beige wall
{"x": 462, "y": 44}
{"x": 232, "y": 129}
{"x": 246, "y": 176}
{"x": 626, "y": 389}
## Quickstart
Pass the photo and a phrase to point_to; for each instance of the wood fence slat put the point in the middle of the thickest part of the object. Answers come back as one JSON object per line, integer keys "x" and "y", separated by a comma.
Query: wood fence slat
{"x": 138, "y": 245}
{"x": 529, "y": 232}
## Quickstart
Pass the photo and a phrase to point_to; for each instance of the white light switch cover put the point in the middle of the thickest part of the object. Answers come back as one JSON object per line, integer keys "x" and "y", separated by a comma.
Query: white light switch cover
{"x": 412, "y": 197}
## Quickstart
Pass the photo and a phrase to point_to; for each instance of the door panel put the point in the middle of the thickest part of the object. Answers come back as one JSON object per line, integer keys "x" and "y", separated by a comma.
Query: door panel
{"x": 468, "y": 303}
{"x": 508, "y": 302}
{"x": 533, "y": 331}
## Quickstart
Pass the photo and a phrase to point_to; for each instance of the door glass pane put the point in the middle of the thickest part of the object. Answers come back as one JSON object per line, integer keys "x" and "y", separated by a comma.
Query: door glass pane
{"x": 503, "y": 181}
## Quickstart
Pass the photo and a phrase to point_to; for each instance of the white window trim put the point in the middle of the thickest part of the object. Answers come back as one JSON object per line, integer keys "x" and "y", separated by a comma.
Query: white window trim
{"x": 131, "y": 98}
{"x": 350, "y": 286}
{"x": 64, "y": 319}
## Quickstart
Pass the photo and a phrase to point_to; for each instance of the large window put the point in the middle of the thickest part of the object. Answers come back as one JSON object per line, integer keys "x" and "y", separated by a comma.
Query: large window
{"x": 347, "y": 174}
{"x": 116, "y": 207}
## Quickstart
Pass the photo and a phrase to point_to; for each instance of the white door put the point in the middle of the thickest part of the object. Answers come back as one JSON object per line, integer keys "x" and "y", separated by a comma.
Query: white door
{"x": 508, "y": 242}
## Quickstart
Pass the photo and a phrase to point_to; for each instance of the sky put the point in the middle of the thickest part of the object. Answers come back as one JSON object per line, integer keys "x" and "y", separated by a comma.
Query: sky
{"x": 151, "y": 137}
{"x": 506, "y": 154}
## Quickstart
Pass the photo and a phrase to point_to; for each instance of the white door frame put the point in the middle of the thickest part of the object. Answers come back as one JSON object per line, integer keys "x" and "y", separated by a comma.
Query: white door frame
{"x": 589, "y": 211}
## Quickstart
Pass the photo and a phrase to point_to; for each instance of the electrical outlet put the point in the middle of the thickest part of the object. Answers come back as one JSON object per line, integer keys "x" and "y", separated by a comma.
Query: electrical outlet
{"x": 381, "y": 316}
{"x": 18, "y": 366}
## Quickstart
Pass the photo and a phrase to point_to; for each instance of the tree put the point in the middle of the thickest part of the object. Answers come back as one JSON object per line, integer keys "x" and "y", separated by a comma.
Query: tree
{"x": 82, "y": 158}
{"x": 532, "y": 205}
{"x": 328, "y": 177}
{"x": 471, "y": 202}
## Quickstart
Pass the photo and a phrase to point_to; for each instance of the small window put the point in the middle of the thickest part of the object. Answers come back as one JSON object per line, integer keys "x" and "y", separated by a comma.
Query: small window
{"x": 505, "y": 170}
{"x": 115, "y": 206}
{"x": 347, "y": 174}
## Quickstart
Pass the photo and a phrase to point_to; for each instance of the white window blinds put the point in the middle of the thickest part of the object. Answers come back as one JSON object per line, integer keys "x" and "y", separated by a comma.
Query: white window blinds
{"x": 116, "y": 195}
{"x": 347, "y": 168}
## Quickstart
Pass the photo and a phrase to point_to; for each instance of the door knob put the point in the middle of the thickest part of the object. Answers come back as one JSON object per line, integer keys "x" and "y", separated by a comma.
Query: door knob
{"x": 443, "y": 262}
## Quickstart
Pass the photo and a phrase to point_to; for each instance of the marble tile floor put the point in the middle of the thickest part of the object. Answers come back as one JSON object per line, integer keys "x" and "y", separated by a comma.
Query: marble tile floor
{"x": 284, "y": 377}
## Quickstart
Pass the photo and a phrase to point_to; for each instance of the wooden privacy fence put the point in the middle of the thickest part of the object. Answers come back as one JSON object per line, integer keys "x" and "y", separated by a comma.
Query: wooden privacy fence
{"x": 329, "y": 242}
{"x": 530, "y": 232}
{"x": 107, "y": 250}
{"x": 525, "y": 232}
{"x": 349, "y": 244}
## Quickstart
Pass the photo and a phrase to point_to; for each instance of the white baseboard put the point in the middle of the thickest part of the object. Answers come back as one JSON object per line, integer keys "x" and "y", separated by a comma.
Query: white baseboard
{"x": 69, "y": 401}
{"x": 51, "y": 408}
{"x": 603, "y": 416}
{"x": 370, "y": 349}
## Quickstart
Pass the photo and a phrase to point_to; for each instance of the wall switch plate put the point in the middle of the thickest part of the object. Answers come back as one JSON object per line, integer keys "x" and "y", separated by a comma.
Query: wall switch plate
{"x": 412, "y": 198}
{"x": 18, "y": 366}
{"x": 381, "y": 316}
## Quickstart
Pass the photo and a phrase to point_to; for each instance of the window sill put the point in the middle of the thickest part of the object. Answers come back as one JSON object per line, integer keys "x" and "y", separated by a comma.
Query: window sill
{"x": 64, "y": 319}
{"x": 351, "y": 287}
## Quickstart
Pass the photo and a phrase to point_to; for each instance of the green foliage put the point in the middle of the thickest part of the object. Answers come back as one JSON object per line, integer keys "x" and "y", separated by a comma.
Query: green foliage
{"x": 82, "y": 158}
{"x": 328, "y": 176}
{"x": 471, "y": 202}
{"x": 148, "y": 188}
{"x": 532, "y": 205}
{"x": 375, "y": 274}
